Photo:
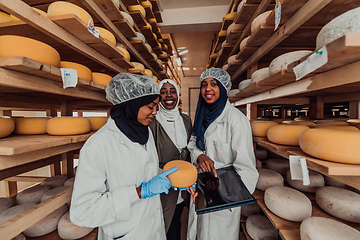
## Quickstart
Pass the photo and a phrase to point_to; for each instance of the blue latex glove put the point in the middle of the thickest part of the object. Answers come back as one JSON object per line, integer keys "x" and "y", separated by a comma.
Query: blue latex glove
{"x": 158, "y": 184}
{"x": 184, "y": 189}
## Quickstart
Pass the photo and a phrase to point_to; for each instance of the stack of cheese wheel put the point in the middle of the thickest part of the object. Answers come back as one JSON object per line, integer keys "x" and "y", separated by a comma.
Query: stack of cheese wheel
{"x": 243, "y": 43}
{"x": 5, "y": 203}
{"x": 139, "y": 36}
{"x": 316, "y": 181}
{"x": 286, "y": 134}
{"x": 260, "y": 227}
{"x": 260, "y": 128}
{"x": 148, "y": 72}
{"x": 244, "y": 84}
{"x": 321, "y": 228}
{"x": 128, "y": 18}
{"x": 13, "y": 18}
{"x": 82, "y": 71}
{"x": 68, "y": 230}
{"x": 339, "y": 202}
{"x": 306, "y": 123}
{"x": 32, "y": 194}
{"x": 279, "y": 165}
{"x": 30, "y": 125}
{"x": 7, "y": 126}
{"x": 184, "y": 177}
{"x": 106, "y": 34}
{"x": 11, "y": 46}
{"x": 259, "y": 20}
{"x": 62, "y": 126}
{"x": 137, "y": 67}
{"x": 346, "y": 23}
{"x": 235, "y": 27}
{"x": 140, "y": 8}
{"x": 268, "y": 178}
{"x": 332, "y": 145}
{"x": 4, "y": 17}
{"x": 62, "y": 8}
{"x": 281, "y": 62}
{"x": 101, "y": 78}
{"x": 97, "y": 122}
{"x": 288, "y": 203}
{"x": 260, "y": 75}
{"x": 124, "y": 52}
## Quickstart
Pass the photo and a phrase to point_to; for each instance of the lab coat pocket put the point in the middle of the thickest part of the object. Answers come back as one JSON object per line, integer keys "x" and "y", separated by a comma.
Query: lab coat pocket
{"x": 222, "y": 152}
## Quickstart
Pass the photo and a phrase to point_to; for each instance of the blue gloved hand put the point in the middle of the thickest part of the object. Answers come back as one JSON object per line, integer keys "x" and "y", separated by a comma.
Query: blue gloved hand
{"x": 184, "y": 189}
{"x": 158, "y": 184}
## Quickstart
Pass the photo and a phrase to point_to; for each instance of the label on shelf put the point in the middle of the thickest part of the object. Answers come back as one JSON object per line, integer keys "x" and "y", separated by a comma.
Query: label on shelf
{"x": 277, "y": 14}
{"x": 313, "y": 62}
{"x": 299, "y": 169}
{"x": 91, "y": 28}
{"x": 69, "y": 77}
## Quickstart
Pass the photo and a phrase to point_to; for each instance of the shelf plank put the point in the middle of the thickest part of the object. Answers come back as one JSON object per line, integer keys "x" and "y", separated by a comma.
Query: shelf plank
{"x": 130, "y": 2}
{"x": 110, "y": 9}
{"x": 278, "y": 79}
{"x": 263, "y": 142}
{"x": 142, "y": 49}
{"x": 258, "y": 194}
{"x": 287, "y": 234}
{"x": 245, "y": 13}
{"x": 138, "y": 18}
{"x": 125, "y": 28}
{"x": 149, "y": 12}
{"x": 233, "y": 36}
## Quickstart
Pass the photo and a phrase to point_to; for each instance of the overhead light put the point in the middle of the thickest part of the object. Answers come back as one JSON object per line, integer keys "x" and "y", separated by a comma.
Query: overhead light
{"x": 194, "y": 68}
{"x": 181, "y": 48}
{"x": 186, "y": 68}
{"x": 178, "y": 68}
{"x": 183, "y": 52}
{"x": 178, "y": 61}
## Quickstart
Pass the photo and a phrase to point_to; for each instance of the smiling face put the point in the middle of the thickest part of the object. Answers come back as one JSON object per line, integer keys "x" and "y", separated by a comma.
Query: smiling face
{"x": 169, "y": 97}
{"x": 147, "y": 112}
{"x": 210, "y": 90}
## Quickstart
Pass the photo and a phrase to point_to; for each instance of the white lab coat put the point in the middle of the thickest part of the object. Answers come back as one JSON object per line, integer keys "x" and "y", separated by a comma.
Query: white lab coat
{"x": 228, "y": 141}
{"x": 110, "y": 168}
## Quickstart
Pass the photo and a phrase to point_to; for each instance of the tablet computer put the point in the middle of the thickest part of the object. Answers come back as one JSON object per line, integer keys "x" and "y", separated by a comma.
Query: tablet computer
{"x": 225, "y": 191}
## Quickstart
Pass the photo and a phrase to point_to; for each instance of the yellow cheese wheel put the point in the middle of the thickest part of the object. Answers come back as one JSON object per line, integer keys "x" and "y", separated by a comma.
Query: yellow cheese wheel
{"x": 125, "y": 53}
{"x": 260, "y": 128}
{"x": 137, "y": 66}
{"x": 97, "y": 122}
{"x": 353, "y": 122}
{"x": 61, "y": 8}
{"x": 152, "y": 20}
{"x": 222, "y": 33}
{"x": 137, "y": 8}
{"x": 332, "y": 144}
{"x": 62, "y": 126}
{"x": 101, "y": 78}
{"x": 230, "y": 16}
{"x": 11, "y": 46}
{"x": 352, "y": 128}
{"x": 286, "y": 134}
{"x": 332, "y": 122}
{"x": 4, "y": 17}
{"x": 147, "y": 26}
{"x": 155, "y": 56}
{"x": 146, "y": 4}
{"x": 82, "y": 71}
{"x": 159, "y": 62}
{"x": 163, "y": 55}
{"x": 128, "y": 18}
{"x": 7, "y": 126}
{"x": 13, "y": 18}
{"x": 148, "y": 72}
{"x": 155, "y": 36}
{"x": 184, "y": 177}
{"x": 306, "y": 123}
{"x": 165, "y": 47}
{"x": 104, "y": 33}
{"x": 214, "y": 55}
{"x": 30, "y": 125}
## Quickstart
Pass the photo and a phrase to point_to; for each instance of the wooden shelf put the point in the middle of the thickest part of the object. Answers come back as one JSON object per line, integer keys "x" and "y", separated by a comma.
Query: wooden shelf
{"x": 125, "y": 28}
{"x": 276, "y": 148}
{"x": 286, "y": 234}
{"x": 233, "y": 36}
{"x": 149, "y": 12}
{"x": 243, "y": 224}
{"x": 222, "y": 58}
{"x": 142, "y": 49}
{"x": 138, "y": 18}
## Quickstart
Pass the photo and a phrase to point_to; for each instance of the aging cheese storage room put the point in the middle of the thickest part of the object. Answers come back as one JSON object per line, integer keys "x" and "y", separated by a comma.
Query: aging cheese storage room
{"x": 258, "y": 100}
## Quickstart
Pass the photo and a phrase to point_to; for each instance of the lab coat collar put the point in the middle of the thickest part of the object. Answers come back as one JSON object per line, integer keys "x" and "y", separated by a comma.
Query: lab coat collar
{"x": 221, "y": 118}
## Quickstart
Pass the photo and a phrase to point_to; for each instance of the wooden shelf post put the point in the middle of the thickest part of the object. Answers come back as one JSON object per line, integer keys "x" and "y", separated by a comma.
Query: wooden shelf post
{"x": 316, "y": 107}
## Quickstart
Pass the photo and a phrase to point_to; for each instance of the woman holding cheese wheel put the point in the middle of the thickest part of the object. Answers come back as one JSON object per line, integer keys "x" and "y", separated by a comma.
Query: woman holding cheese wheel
{"x": 172, "y": 131}
{"x": 117, "y": 186}
{"x": 221, "y": 137}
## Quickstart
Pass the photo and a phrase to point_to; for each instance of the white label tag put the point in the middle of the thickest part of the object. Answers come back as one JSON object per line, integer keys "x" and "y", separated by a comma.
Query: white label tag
{"x": 313, "y": 62}
{"x": 69, "y": 77}
{"x": 298, "y": 169}
{"x": 277, "y": 14}
{"x": 91, "y": 28}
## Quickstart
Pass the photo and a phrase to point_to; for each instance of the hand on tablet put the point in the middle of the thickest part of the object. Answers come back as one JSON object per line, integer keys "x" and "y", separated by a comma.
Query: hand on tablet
{"x": 206, "y": 164}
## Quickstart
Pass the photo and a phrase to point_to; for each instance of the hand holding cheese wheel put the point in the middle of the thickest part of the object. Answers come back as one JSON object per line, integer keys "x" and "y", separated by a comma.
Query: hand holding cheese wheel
{"x": 30, "y": 125}
{"x": 7, "y": 126}
{"x": 184, "y": 177}
{"x": 285, "y": 134}
{"x": 61, "y": 8}
{"x": 63, "y": 126}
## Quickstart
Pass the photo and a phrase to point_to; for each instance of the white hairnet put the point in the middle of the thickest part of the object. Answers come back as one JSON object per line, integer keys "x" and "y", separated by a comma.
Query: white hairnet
{"x": 126, "y": 86}
{"x": 218, "y": 74}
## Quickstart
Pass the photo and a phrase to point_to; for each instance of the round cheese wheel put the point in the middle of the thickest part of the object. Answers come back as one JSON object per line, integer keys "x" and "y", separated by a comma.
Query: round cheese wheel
{"x": 11, "y": 46}
{"x": 316, "y": 181}
{"x": 258, "y": 163}
{"x": 69, "y": 182}
{"x": 62, "y": 8}
{"x": 320, "y": 228}
{"x": 350, "y": 128}
{"x": 281, "y": 62}
{"x": 184, "y": 177}
{"x": 155, "y": 36}
{"x": 148, "y": 26}
{"x": 354, "y": 122}
{"x": 19, "y": 237}
{"x": 306, "y": 123}
{"x": 339, "y": 202}
{"x": 260, "y": 154}
{"x": 332, "y": 145}
{"x": 54, "y": 181}
{"x": 260, "y": 74}
{"x": 30, "y": 125}
{"x": 13, "y": 18}
{"x": 233, "y": 92}
{"x": 268, "y": 178}
{"x": 68, "y": 230}
{"x": 32, "y": 194}
{"x": 225, "y": 67}
{"x": 137, "y": 8}
{"x": 279, "y": 165}
{"x": 104, "y": 33}
{"x": 125, "y": 53}
{"x": 230, "y": 16}
{"x": 155, "y": 77}
{"x": 52, "y": 192}
{"x": 128, "y": 18}
{"x": 260, "y": 128}
{"x": 222, "y": 33}
{"x": 232, "y": 59}
{"x": 4, "y": 17}
{"x": 288, "y": 203}
{"x": 333, "y": 182}
{"x": 165, "y": 48}
{"x": 286, "y": 134}
{"x": 14, "y": 211}
{"x": 137, "y": 66}
{"x": 243, "y": 43}
{"x": 151, "y": 20}
{"x": 163, "y": 55}
{"x": 68, "y": 126}
{"x": 101, "y": 78}
{"x": 139, "y": 36}
{"x": 47, "y": 224}
{"x": 146, "y": 4}
{"x": 82, "y": 71}
{"x": 149, "y": 72}
{"x": 346, "y": 23}
{"x": 244, "y": 84}
{"x": 214, "y": 55}
{"x": 235, "y": 27}
{"x": 259, "y": 20}
{"x": 159, "y": 62}
{"x": 148, "y": 47}
{"x": 250, "y": 209}
{"x": 259, "y": 227}
{"x": 5, "y": 203}
{"x": 7, "y": 126}
{"x": 331, "y": 122}
{"x": 97, "y": 122}
{"x": 241, "y": 5}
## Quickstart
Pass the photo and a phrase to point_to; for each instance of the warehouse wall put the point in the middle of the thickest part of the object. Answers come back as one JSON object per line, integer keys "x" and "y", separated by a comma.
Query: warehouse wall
{"x": 190, "y": 91}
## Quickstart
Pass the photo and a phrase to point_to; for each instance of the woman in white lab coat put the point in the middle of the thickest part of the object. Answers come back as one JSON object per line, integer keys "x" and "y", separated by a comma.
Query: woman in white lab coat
{"x": 221, "y": 137}
{"x": 116, "y": 185}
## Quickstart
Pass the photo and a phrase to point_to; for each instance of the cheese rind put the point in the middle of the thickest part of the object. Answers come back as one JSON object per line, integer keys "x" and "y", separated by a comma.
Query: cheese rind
{"x": 104, "y": 33}
{"x": 279, "y": 165}
{"x": 101, "y": 78}
{"x": 259, "y": 20}
{"x": 260, "y": 128}
{"x": 259, "y": 227}
{"x": 68, "y": 230}
{"x": 268, "y": 178}
{"x": 32, "y": 194}
{"x": 14, "y": 211}
{"x": 62, "y": 126}
{"x": 244, "y": 84}
{"x": 128, "y": 18}
{"x": 137, "y": 8}
{"x": 61, "y": 8}
{"x": 184, "y": 177}
{"x": 30, "y": 125}
{"x": 82, "y": 71}
{"x": 125, "y": 53}
{"x": 260, "y": 75}
{"x": 281, "y": 62}
{"x": 97, "y": 122}
{"x": 316, "y": 181}
{"x": 306, "y": 123}
{"x": 137, "y": 66}
{"x": 5, "y": 203}
{"x": 7, "y": 126}
{"x": 4, "y": 17}
{"x": 243, "y": 43}
{"x": 285, "y": 134}
{"x": 250, "y": 209}
{"x": 54, "y": 181}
